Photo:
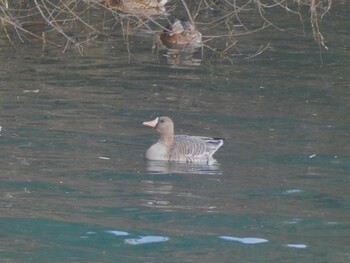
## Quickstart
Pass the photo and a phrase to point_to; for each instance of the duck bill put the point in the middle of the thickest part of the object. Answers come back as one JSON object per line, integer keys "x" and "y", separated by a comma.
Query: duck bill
{"x": 152, "y": 124}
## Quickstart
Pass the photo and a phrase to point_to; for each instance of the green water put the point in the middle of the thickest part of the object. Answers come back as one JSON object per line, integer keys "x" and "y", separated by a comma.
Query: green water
{"x": 75, "y": 186}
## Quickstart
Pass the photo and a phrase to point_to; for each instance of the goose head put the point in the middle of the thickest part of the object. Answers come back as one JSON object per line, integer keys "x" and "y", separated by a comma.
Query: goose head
{"x": 163, "y": 125}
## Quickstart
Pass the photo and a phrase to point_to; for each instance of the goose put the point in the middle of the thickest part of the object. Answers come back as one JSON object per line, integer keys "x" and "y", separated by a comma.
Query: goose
{"x": 180, "y": 148}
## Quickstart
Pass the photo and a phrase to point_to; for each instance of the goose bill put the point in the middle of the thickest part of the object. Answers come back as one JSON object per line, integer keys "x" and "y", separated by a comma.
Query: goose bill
{"x": 151, "y": 123}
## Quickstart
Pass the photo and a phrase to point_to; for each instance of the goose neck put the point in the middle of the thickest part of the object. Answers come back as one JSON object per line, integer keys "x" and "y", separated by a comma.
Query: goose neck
{"x": 167, "y": 139}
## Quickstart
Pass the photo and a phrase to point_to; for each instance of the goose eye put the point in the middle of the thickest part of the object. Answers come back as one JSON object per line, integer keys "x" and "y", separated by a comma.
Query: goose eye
{"x": 161, "y": 121}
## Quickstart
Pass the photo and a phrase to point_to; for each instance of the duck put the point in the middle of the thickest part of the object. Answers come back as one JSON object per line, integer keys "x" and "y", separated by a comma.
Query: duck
{"x": 181, "y": 33}
{"x": 137, "y": 6}
{"x": 180, "y": 148}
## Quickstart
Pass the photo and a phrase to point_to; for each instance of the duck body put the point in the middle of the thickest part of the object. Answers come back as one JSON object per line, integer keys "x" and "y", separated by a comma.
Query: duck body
{"x": 138, "y": 6}
{"x": 180, "y": 148}
{"x": 180, "y": 33}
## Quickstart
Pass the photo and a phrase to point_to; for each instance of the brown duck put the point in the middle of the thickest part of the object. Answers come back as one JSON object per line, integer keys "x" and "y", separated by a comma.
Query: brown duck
{"x": 181, "y": 33}
{"x": 137, "y": 6}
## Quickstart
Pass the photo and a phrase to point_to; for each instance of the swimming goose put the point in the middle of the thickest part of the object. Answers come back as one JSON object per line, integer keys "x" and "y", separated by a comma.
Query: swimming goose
{"x": 181, "y": 148}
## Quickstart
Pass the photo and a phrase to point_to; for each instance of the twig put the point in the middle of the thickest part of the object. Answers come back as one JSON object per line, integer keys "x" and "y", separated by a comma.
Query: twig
{"x": 188, "y": 12}
{"x": 259, "y": 52}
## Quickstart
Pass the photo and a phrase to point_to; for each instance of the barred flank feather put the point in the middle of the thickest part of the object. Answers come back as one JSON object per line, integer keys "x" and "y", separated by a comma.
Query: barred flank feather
{"x": 194, "y": 148}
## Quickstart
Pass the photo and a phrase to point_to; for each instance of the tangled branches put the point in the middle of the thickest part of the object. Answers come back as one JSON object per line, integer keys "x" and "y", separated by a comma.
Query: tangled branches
{"x": 66, "y": 23}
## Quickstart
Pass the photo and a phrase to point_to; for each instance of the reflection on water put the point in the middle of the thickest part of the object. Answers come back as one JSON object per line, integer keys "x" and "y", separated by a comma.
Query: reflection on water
{"x": 179, "y": 57}
{"x": 145, "y": 240}
{"x": 183, "y": 168}
{"x": 296, "y": 245}
{"x": 245, "y": 240}
{"x": 117, "y": 232}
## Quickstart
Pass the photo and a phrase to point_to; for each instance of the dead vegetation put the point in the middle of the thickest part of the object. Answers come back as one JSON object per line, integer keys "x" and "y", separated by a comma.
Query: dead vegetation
{"x": 63, "y": 24}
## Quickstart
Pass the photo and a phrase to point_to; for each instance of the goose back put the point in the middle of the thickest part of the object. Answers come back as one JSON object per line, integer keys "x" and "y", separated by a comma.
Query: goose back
{"x": 194, "y": 148}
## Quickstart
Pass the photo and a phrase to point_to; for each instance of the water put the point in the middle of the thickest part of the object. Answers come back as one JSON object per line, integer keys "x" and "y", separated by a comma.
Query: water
{"x": 76, "y": 188}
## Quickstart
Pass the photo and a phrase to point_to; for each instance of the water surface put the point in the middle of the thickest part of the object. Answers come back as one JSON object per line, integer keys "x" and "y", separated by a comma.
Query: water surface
{"x": 75, "y": 186}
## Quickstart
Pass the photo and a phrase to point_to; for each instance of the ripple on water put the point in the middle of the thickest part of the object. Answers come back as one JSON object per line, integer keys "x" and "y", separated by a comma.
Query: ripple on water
{"x": 296, "y": 245}
{"x": 245, "y": 240}
{"x": 293, "y": 221}
{"x": 292, "y": 191}
{"x": 145, "y": 240}
{"x": 117, "y": 232}
{"x": 161, "y": 167}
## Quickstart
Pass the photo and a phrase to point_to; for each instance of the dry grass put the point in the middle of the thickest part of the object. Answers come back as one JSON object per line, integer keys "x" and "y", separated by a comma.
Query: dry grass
{"x": 78, "y": 22}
